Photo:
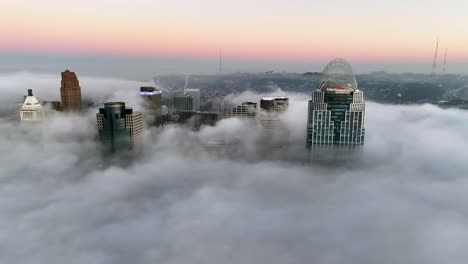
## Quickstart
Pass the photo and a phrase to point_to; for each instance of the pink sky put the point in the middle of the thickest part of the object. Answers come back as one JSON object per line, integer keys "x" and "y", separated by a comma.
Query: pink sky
{"x": 187, "y": 29}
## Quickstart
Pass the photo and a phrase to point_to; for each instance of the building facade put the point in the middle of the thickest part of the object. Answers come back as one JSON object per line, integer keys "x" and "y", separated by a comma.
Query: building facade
{"x": 31, "y": 110}
{"x": 274, "y": 104}
{"x": 274, "y": 132}
{"x": 195, "y": 94}
{"x": 245, "y": 110}
{"x": 337, "y": 109}
{"x": 120, "y": 129}
{"x": 70, "y": 92}
{"x": 183, "y": 102}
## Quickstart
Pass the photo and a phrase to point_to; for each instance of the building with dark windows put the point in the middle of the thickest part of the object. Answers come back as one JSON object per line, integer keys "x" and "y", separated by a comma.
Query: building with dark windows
{"x": 336, "y": 111}
{"x": 274, "y": 104}
{"x": 70, "y": 92}
{"x": 246, "y": 109}
{"x": 183, "y": 107}
{"x": 120, "y": 129}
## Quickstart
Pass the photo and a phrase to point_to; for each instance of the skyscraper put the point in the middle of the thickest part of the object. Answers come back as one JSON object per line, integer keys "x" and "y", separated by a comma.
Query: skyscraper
{"x": 152, "y": 98}
{"x": 70, "y": 92}
{"x": 195, "y": 94}
{"x": 31, "y": 110}
{"x": 336, "y": 111}
{"x": 119, "y": 128}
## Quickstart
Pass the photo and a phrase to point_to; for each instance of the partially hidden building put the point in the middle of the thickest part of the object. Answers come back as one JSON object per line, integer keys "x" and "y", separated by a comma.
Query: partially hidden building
{"x": 70, "y": 92}
{"x": 120, "y": 129}
{"x": 337, "y": 108}
{"x": 245, "y": 110}
{"x": 195, "y": 94}
{"x": 274, "y": 132}
{"x": 31, "y": 110}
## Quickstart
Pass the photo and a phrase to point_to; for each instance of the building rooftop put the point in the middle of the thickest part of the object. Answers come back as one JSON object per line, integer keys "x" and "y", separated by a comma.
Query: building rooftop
{"x": 31, "y": 103}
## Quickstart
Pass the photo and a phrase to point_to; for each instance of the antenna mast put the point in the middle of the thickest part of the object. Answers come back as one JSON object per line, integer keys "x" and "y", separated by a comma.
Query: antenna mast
{"x": 434, "y": 64}
{"x": 445, "y": 60}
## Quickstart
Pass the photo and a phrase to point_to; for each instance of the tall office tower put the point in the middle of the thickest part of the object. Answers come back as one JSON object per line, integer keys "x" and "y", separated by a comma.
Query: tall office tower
{"x": 152, "y": 98}
{"x": 274, "y": 133}
{"x": 31, "y": 110}
{"x": 152, "y": 105}
{"x": 195, "y": 94}
{"x": 120, "y": 130}
{"x": 246, "y": 109}
{"x": 70, "y": 92}
{"x": 336, "y": 111}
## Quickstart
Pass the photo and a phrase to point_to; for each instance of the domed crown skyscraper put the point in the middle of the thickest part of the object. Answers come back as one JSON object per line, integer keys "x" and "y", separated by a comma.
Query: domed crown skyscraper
{"x": 336, "y": 111}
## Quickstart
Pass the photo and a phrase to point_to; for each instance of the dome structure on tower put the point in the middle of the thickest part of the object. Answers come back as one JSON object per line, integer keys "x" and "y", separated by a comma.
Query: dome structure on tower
{"x": 338, "y": 76}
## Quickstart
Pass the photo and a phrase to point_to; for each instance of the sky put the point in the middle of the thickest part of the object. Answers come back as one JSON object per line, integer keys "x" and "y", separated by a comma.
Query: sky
{"x": 402, "y": 201}
{"x": 253, "y": 35}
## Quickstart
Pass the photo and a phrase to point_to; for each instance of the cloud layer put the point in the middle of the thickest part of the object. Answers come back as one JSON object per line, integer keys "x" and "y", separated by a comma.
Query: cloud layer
{"x": 403, "y": 202}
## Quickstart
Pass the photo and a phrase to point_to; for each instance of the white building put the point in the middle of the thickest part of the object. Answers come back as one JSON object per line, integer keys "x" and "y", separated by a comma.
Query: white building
{"x": 195, "y": 94}
{"x": 31, "y": 110}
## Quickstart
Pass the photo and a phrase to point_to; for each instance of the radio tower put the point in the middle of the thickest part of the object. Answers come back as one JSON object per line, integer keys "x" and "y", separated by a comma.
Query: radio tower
{"x": 434, "y": 64}
{"x": 445, "y": 60}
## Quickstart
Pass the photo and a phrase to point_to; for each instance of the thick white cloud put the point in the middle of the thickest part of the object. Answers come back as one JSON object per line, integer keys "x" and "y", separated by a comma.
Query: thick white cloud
{"x": 404, "y": 202}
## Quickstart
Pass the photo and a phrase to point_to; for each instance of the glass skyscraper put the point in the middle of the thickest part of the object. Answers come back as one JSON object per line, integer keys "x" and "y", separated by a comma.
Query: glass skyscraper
{"x": 120, "y": 129}
{"x": 337, "y": 108}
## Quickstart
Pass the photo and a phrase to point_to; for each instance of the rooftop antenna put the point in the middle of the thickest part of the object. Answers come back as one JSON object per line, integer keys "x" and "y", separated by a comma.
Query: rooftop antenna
{"x": 445, "y": 60}
{"x": 434, "y": 64}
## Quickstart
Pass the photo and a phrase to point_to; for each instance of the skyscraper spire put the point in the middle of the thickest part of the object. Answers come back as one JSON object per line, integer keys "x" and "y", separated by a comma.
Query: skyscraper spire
{"x": 434, "y": 64}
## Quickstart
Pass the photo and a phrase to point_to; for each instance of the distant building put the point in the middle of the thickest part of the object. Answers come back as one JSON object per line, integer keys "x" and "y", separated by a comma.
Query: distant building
{"x": 70, "y": 92}
{"x": 183, "y": 102}
{"x": 336, "y": 111}
{"x": 31, "y": 110}
{"x": 120, "y": 129}
{"x": 217, "y": 105}
{"x": 274, "y": 104}
{"x": 246, "y": 109}
{"x": 195, "y": 94}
